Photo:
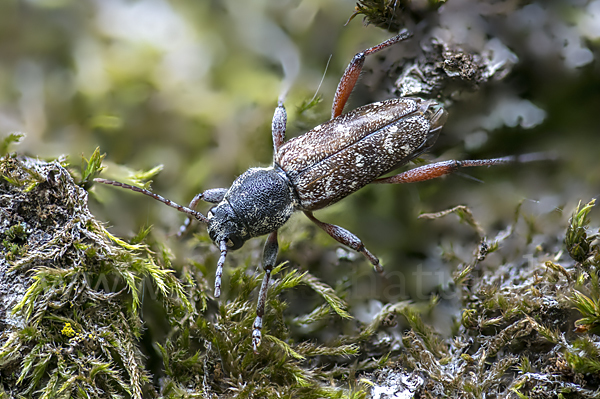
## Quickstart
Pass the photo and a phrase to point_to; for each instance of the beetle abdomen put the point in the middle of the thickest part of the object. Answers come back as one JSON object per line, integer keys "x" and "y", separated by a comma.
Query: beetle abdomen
{"x": 370, "y": 153}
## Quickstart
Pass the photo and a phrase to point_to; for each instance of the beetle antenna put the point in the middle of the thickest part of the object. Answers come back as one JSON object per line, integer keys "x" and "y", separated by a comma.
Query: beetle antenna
{"x": 322, "y": 79}
{"x": 200, "y": 217}
{"x": 468, "y": 176}
{"x": 219, "y": 272}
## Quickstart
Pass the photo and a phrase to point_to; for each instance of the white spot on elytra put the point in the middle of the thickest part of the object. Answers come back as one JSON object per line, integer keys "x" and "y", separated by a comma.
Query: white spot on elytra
{"x": 341, "y": 128}
{"x": 393, "y": 129}
{"x": 359, "y": 161}
{"x": 328, "y": 188}
{"x": 388, "y": 145}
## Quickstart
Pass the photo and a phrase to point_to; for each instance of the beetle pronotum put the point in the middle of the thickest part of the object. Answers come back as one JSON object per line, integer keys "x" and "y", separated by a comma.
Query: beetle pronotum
{"x": 321, "y": 167}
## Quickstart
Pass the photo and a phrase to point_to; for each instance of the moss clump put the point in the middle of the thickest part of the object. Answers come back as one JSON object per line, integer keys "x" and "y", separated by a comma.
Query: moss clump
{"x": 16, "y": 237}
{"x": 70, "y": 293}
{"x": 394, "y": 15}
{"x": 578, "y": 239}
{"x": 212, "y": 355}
{"x": 529, "y": 326}
{"x": 72, "y": 325}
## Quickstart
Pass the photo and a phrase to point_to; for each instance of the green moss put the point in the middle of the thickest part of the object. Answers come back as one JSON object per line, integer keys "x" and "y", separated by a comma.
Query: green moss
{"x": 8, "y": 141}
{"x": 518, "y": 317}
{"x": 71, "y": 332}
{"x": 90, "y": 168}
{"x": 578, "y": 240}
{"x": 15, "y": 242}
{"x": 392, "y": 14}
{"x": 589, "y": 307}
{"x": 77, "y": 321}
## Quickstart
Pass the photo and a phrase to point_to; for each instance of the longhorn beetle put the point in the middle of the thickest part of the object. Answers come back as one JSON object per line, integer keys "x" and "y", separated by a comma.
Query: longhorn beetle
{"x": 321, "y": 167}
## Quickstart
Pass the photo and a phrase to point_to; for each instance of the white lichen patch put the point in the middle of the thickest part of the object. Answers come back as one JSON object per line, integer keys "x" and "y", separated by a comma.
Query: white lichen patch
{"x": 396, "y": 385}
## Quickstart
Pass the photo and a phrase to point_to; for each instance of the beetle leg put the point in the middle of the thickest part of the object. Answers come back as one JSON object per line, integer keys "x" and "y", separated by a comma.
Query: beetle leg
{"x": 353, "y": 70}
{"x": 269, "y": 259}
{"x": 278, "y": 126}
{"x": 439, "y": 169}
{"x": 345, "y": 237}
{"x": 213, "y": 196}
{"x": 219, "y": 271}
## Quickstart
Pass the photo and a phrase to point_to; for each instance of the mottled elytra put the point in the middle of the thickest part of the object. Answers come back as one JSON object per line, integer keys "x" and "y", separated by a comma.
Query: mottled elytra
{"x": 321, "y": 167}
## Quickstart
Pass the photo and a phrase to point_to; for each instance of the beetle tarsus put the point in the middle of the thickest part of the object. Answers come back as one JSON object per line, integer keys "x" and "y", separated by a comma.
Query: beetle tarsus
{"x": 269, "y": 259}
{"x": 256, "y": 334}
{"x": 373, "y": 259}
{"x": 219, "y": 273}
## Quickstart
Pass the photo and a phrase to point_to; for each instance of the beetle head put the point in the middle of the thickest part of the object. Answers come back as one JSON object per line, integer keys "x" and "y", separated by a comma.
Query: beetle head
{"x": 225, "y": 226}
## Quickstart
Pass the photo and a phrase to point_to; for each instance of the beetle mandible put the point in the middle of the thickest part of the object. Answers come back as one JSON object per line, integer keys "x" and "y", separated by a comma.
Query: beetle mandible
{"x": 321, "y": 167}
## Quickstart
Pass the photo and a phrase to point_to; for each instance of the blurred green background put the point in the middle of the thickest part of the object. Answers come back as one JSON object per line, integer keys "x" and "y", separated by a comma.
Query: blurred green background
{"x": 192, "y": 85}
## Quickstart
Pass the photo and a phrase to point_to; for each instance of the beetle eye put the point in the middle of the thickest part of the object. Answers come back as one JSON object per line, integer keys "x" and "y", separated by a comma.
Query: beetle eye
{"x": 234, "y": 242}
